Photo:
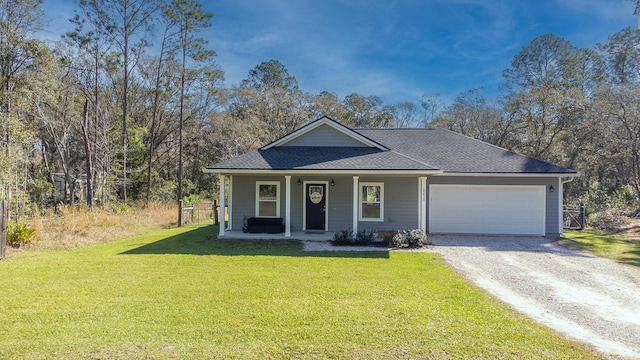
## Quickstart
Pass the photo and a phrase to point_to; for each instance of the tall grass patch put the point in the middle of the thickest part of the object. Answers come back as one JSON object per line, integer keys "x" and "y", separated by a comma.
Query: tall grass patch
{"x": 76, "y": 225}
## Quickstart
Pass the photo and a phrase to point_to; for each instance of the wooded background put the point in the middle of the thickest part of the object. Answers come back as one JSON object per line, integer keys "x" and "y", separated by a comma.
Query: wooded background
{"x": 130, "y": 106}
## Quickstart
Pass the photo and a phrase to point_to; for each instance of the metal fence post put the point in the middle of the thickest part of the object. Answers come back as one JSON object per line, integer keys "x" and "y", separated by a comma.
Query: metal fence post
{"x": 3, "y": 227}
{"x": 216, "y": 219}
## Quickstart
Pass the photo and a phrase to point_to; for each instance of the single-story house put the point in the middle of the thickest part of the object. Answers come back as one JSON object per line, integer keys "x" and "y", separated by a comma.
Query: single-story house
{"x": 326, "y": 177}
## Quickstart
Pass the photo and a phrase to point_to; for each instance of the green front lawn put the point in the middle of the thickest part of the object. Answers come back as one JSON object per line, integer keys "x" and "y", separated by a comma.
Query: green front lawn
{"x": 180, "y": 293}
{"x": 617, "y": 247}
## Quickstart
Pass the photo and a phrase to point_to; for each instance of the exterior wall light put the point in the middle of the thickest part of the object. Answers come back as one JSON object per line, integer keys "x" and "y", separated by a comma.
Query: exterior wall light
{"x": 333, "y": 183}
{"x": 551, "y": 188}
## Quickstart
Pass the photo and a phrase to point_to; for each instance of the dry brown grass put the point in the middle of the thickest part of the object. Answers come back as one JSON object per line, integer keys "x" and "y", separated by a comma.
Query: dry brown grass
{"x": 75, "y": 225}
{"x": 627, "y": 226}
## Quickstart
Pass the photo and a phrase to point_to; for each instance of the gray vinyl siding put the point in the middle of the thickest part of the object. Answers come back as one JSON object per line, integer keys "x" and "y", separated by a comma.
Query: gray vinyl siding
{"x": 551, "y": 201}
{"x": 334, "y": 197}
{"x": 340, "y": 204}
{"x": 244, "y": 197}
{"x": 325, "y": 136}
{"x": 400, "y": 204}
{"x": 339, "y": 199}
{"x": 296, "y": 204}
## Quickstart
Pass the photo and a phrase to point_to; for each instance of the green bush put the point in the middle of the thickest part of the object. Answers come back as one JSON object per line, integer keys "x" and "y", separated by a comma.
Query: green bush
{"x": 364, "y": 237}
{"x": 415, "y": 238}
{"x": 191, "y": 199}
{"x": 164, "y": 190}
{"x": 598, "y": 198}
{"x": 343, "y": 237}
{"x": 396, "y": 240}
{"x": 20, "y": 233}
{"x": 407, "y": 238}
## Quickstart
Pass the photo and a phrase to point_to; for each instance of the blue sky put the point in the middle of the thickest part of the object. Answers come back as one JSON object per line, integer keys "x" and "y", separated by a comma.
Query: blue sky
{"x": 397, "y": 50}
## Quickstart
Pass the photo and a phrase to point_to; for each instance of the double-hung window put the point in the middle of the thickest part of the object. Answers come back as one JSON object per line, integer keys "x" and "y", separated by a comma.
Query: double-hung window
{"x": 371, "y": 201}
{"x": 268, "y": 199}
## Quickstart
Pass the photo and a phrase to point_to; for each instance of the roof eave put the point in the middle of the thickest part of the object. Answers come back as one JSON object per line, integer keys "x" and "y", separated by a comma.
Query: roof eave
{"x": 321, "y": 172}
{"x": 511, "y": 174}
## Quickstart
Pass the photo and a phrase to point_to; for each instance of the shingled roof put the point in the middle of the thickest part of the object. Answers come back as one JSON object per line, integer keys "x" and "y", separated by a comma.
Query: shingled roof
{"x": 322, "y": 158}
{"x": 456, "y": 153}
{"x": 433, "y": 151}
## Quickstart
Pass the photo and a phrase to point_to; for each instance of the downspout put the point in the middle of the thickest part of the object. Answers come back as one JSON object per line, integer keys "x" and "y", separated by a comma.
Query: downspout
{"x": 566, "y": 181}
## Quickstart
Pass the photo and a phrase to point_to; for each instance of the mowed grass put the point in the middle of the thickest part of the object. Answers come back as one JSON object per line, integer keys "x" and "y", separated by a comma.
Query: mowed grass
{"x": 616, "y": 247}
{"x": 181, "y": 293}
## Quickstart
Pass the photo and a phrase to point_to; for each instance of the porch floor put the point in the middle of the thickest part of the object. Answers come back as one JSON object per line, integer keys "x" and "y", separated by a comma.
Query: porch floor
{"x": 295, "y": 235}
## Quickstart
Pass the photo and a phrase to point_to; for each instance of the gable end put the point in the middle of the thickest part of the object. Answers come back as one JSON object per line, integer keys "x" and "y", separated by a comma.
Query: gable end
{"x": 325, "y": 132}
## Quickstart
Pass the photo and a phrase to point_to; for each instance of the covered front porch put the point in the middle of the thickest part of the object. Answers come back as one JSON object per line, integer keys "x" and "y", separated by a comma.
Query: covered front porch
{"x": 314, "y": 205}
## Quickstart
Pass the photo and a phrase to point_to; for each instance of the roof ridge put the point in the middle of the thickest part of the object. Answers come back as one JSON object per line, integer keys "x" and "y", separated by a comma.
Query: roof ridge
{"x": 394, "y": 129}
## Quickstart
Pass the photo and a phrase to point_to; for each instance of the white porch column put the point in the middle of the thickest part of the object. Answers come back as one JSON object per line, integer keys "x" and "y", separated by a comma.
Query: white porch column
{"x": 422, "y": 203}
{"x": 229, "y": 203}
{"x": 222, "y": 205}
{"x": 287, "y": 207}
{"x": 355, "y": 203}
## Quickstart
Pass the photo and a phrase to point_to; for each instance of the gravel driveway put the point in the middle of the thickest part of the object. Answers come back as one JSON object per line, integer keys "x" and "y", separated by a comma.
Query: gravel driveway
{"x": 589, "y": 299}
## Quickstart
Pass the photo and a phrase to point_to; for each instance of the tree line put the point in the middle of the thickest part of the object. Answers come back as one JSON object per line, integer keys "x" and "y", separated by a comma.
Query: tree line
{"x": 131, "y": 104}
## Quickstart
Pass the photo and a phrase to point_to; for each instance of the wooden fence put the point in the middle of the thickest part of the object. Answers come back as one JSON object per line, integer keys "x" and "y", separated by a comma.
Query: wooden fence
{"x": 200, "y": 213}
{"x": 3, "y": 227}
{"x": 574, "y": 217}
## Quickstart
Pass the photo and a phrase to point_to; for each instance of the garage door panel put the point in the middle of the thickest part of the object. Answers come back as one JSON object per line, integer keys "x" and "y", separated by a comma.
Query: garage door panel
{"x": 480, "y": 209}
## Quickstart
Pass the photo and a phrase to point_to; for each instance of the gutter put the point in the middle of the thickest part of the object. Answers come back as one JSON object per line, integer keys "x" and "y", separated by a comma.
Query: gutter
{"x": 320, "y": 172}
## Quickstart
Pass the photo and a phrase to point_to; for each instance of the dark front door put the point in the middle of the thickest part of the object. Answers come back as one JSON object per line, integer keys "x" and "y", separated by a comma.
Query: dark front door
{"x": 316, "y": 206}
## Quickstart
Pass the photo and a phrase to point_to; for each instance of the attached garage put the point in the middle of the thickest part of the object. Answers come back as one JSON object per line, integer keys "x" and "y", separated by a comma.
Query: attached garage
{"x": 487, "y": 209}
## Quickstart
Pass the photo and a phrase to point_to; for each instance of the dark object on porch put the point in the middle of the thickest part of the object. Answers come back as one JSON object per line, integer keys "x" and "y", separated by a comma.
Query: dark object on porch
{"x": 256, "y": 225}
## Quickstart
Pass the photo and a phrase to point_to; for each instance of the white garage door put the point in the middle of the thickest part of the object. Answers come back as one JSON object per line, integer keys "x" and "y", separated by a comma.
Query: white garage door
{"x": 487, "y": 209}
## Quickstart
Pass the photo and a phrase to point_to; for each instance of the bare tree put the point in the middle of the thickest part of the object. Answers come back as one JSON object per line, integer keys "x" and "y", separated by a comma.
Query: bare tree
{"x": 126, "y": 23}
{"x": 189, "y": 19}
{"x": 432, "y": 106}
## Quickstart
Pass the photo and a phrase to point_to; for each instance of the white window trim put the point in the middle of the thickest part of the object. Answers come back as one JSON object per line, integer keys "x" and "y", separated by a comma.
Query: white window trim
{"x": 360, "y": 201}
{"x": 277, "y": 184}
